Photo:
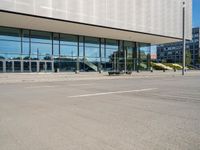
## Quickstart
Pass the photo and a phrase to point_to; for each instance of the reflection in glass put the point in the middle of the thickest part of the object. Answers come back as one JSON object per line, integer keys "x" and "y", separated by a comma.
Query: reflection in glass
{"x": 1, "y": 66}
{"x": 92, "y": 58}
{"x": 68, "y": 52}
{"x": 144, "y": 56}
{"x": 48, "y": 66}
{"x": 17, "y": 66}
{"x": 111, "y": 55}
{"x": 42, "y": 66}
{"x": 9, "y": 66}
{"x": 56, "y": 50}
{"x": 68, "y": 46}
{"x": 130, "y": 49}
{"x": 33, "y": 66}
{"x": 41, "y": 45}
{"x": 93, "y": 54}
{"x": 26, "y": 66}
{"x": 10, "y": 42}
{"x": 26, "y": 44}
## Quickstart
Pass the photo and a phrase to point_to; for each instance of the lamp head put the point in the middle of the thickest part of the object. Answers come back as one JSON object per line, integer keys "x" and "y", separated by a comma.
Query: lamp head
{"x": 183, "y": 3}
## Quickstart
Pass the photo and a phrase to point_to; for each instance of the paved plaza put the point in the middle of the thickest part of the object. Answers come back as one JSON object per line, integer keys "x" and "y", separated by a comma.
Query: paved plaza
{"x": 90, "y": 111}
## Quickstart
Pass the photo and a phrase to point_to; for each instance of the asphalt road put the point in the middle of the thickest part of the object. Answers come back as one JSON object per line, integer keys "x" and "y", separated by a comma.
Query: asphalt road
{"x": 118, "y": 114}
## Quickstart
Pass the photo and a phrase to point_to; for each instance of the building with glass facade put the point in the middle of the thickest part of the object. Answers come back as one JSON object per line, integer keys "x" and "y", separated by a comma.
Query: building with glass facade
{"x": 173, "y": 52}
{"x": 86, "y": 35}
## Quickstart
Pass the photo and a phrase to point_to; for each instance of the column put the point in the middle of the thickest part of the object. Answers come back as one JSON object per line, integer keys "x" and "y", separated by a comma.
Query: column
{"x": 4, "y": 66}
{"x": 13, "y": 67}
{"x": 38, "y": 66}
{"x": 22, "y": 66}
{"x": 45, "y": 66}
{"x": 78, "y": 61}
{"x": 52, "y": 66}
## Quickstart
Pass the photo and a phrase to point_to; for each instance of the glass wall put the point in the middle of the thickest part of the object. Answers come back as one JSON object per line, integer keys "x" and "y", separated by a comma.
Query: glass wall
{"x": 10, "y": 43}
{"x": 56, "y": 50}
{"x": 32, "y": 51}
{"x": 111, "y": 55}
{"x": 68, "y": 52}
{"x": 41, "y": 45}
{"x": 26, "y": 44}
{"x": 144, "y": 56}
{"x": 92, "y": 54}
{"x": 131, "y": 55}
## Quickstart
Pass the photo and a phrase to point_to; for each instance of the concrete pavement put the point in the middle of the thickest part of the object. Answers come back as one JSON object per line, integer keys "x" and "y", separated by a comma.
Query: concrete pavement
{"x": 70, "y": 76}
{"x": 133, "y": 113}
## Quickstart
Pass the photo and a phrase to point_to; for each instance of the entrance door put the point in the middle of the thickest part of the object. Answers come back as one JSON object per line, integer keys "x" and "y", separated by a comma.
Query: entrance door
{"x": 9, "y": 66}
{"x": 49, "y": 66}
{"x": 17, "y": 66}
{"x": 26, "y": 66}
{"x": 33, "y": 66}
{"x": 1, "y": 66}
{"x": 42, "y": 66}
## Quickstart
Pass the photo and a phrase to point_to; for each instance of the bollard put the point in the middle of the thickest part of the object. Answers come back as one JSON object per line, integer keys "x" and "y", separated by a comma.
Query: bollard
{"x": 151, "y": 69}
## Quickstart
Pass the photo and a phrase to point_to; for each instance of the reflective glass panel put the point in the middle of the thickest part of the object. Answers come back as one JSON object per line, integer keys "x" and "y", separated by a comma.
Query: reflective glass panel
{"x": 10, "y": 42}
{"x": 144, "y": 56}
{"x": 56, "y": 52}
{"x": 68, "y": 46}
{"x": 111, "y": 54}
{"x": 41, "y": 45}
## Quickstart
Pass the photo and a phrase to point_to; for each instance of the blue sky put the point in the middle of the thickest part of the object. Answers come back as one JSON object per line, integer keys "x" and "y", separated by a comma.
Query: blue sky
{"x": 196, "y": 13}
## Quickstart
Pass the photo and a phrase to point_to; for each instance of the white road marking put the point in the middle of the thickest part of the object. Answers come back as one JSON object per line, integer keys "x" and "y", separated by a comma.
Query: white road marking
{"x": 38, "y": 87}
{"x": 80, "y": 84}
{"x": 174, "y": 96}
{"x": 114, "y": 92}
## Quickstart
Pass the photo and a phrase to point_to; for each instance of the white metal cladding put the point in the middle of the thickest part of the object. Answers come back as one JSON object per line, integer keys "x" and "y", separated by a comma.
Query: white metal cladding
{"x": 161, "y": 17}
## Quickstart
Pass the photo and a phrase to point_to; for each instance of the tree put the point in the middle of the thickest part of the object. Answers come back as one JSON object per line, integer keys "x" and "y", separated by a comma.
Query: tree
{"x": 188, "y": 57}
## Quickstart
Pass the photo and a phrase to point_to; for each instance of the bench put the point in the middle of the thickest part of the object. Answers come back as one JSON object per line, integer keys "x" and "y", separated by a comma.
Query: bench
{"x": 119, "y": 73}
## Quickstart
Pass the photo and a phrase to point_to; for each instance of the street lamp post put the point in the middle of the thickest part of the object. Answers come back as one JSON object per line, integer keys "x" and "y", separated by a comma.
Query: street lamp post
{"x": 183, "y": 69}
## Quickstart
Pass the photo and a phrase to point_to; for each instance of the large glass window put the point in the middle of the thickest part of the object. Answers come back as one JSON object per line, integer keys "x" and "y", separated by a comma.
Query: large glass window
{"x": 68, "y": 52}
{"x": 56, "y": 47}
{"x": 68, "y": 46}
{"x": 92, "y": 54}
{"x": 56, "y": 50}
{"x": 111, "y": 49}
{"x": 81, "y": 46}
{"x": 144, "y": 56}
{"x": 103, "y": 54}
{"x": 81, "y": 53}
{"x": 130, "y": 49}
{"x": 10, "y": 43}
{"x": 91, "y": 47}
{"x": 26, "y": 44}
{"x": 1, "y": 66}
{"x": 41, "y": 45}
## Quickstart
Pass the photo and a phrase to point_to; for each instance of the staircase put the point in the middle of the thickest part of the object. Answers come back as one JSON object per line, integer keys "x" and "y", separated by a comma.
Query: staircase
{"x": 91, "y": 65}
{"x": 143, "y": 65}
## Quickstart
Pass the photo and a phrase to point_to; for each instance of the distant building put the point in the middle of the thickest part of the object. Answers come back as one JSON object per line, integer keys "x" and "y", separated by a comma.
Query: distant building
{"x": 172, "y": 52}
{"x": 153, "y": 56}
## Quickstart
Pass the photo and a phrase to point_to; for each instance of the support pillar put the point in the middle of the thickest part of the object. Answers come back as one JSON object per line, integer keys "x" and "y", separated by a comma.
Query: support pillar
{"x": 38, "y": 66}
{"x": 13, "y": 66}
{"x": 52, "y": 66}
{"x": 4, "y": 66}
{"x": 22, "y": 66}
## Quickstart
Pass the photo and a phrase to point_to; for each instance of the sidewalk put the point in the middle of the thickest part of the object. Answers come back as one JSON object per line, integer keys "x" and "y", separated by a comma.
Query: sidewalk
{"x": 70, "y": 76}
